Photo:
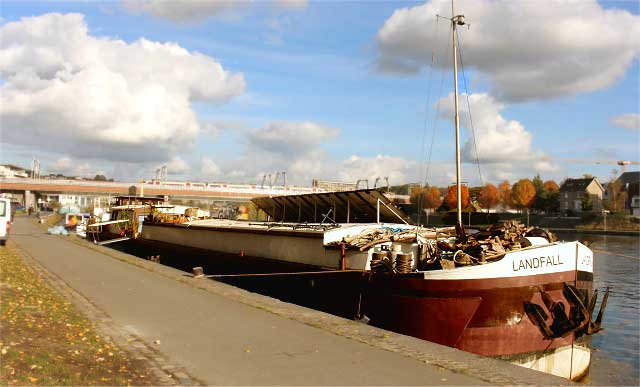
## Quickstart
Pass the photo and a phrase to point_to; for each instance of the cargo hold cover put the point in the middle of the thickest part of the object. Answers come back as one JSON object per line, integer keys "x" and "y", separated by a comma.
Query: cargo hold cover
{"x": 360, "y": 206}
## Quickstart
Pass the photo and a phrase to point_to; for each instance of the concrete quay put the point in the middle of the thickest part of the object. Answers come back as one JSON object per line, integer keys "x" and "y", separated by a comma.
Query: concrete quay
{"x": 205, "y": 332}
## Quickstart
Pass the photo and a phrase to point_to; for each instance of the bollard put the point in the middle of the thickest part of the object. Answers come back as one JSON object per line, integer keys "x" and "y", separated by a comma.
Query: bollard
{"x": 343, "y": 255}
{"x": 198, "y": 272}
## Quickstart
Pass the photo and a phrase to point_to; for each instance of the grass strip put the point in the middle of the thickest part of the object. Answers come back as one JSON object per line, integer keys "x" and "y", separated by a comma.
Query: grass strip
{"x": 45, "y": 340}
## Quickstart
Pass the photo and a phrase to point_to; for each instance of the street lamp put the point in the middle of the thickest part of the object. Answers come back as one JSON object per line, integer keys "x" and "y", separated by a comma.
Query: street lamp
{"x": 604, "y": 213}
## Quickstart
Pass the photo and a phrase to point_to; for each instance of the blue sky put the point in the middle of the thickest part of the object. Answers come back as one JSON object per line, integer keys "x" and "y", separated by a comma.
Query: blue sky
{"x": 316, "y": 101}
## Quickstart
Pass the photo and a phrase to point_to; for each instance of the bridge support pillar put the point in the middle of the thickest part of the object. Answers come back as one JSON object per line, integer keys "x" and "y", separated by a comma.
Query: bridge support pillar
{"x": 29, "y": 199}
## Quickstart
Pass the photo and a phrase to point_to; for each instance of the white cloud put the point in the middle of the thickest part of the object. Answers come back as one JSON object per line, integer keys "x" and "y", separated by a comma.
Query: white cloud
{"x": 291, "y": 137}
{"x": 177, "y": 166}
{"x": 69, "y": 167}
{"x": 629, "y": 121}
{"x": 291, "y": 146}
{"x": 209, "y": 169}
{"x": 62, "y": 164}
{"x": 504, "y": 146}
{"x": 397, "y": 169}
{"x": 215, "y": 128}
{"x": 100, "y": 97}
{"x": 291, "y": 3}
{"x": 527, "y": 50}
{"x": 187, "y": 11}
{"x": 499, "y": 139}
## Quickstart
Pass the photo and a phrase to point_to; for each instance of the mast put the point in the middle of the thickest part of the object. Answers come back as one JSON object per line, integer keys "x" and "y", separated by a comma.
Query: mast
{"x": 457, "y": 20}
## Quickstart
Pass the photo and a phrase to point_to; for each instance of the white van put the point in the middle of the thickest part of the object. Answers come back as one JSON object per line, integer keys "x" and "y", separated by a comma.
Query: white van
{"x": 5, "y": 220}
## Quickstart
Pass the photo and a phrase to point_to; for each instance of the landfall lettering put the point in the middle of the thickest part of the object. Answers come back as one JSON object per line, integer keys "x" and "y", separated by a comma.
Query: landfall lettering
{"x": 537, "y": 262}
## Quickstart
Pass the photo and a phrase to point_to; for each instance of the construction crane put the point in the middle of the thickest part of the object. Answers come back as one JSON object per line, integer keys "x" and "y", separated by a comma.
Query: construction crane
{"x": 275, "y": 180}
{"x": 362, "y": 180}
{"x": 284, "y": 178}
{"x": 264, "y": 178}
{"x": 622, "y": 163}
{"x": 386, "y": 179}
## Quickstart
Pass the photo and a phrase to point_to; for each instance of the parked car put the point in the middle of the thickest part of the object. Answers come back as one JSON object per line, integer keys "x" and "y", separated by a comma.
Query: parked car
{"x": 5, "y": 220}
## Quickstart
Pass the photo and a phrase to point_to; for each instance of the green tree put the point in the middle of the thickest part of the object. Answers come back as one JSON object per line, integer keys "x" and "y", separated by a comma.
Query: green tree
{"x": 551, "y": 196}
{"x": 538, "y": 202}
{"x": 587, "y": 203}
{"x": 538, "y": 184}
{"x": 100, "y": 178}
{"x": 55, "y": 205}
{"x": 404, "y": 189}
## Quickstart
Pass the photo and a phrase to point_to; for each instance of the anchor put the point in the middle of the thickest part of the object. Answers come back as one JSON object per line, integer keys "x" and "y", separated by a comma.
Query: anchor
{"x": 579, "y": 319}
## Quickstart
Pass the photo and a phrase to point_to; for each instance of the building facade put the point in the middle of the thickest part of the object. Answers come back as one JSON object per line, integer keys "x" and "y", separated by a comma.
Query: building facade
{"x": 630, "y": 184}
{"x": 11, "y": 171}
{"x": 581, "y": 195}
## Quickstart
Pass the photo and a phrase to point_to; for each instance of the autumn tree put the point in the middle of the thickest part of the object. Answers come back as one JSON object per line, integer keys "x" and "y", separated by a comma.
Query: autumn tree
{"x": 524, "y": 193}
{"x": 433, "y": 198}
{"x": 505, "y": 194}
{"x": 489, "y": 196}
{"x": 426, "y": 198}
{"x": 551, "y": 186}
{"x": 451, "y": 200}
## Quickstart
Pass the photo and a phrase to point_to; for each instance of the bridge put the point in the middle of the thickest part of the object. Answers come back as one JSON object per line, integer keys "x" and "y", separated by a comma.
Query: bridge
{"x": 30, "y": 189}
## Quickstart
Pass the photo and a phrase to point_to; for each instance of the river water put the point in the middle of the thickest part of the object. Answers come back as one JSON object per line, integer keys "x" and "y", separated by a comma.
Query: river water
{"x": 617, "y": 265}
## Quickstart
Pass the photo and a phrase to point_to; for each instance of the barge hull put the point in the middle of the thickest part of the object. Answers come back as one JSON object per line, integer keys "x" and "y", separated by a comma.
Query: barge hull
{"x": 478, "y": 309}
{"x": 299, "y": 246}
{"x": 482, "y": 316}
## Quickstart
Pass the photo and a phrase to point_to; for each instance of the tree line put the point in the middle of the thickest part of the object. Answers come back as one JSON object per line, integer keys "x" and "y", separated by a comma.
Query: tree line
{"x": 523, "y": 194}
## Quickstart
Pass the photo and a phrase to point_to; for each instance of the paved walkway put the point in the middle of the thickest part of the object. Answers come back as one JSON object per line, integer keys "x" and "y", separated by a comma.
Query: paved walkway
{"x": 224, "y": 335}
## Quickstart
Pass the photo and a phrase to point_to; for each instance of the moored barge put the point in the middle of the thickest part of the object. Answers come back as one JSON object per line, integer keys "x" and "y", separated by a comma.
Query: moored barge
{"x": 510, "y": 292}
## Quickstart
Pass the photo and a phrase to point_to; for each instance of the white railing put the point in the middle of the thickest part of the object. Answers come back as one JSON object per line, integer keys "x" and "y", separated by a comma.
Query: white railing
{"x": 221, "y": 188}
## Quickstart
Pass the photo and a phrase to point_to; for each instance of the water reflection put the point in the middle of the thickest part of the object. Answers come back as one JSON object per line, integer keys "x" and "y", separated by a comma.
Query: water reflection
{"x": 617, "y": 264}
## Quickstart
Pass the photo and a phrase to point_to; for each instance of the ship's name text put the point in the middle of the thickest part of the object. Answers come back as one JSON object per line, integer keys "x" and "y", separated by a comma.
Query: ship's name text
{"x": 537, "y": 262}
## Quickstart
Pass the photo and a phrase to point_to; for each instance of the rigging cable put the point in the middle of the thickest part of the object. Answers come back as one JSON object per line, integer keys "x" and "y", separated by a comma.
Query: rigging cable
{"x": 433, "y": 135}
{"x": 435, "y": 122}
{"x": 473, "y": 131}
{"x": 426, "y": 114}
{"x": 426, "y": 108}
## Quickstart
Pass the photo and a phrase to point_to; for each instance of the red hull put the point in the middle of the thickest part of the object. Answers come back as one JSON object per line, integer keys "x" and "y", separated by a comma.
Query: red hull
{"x": 483, "y": 316}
